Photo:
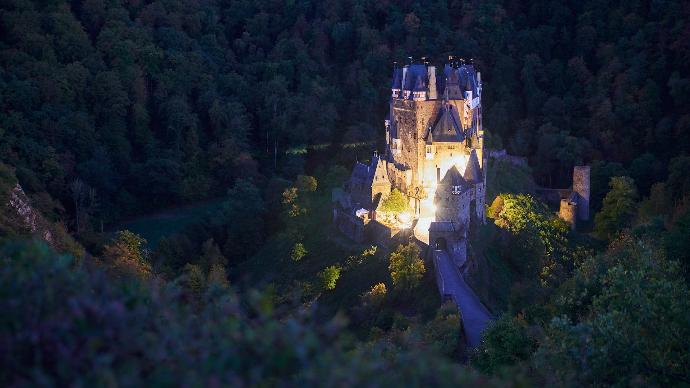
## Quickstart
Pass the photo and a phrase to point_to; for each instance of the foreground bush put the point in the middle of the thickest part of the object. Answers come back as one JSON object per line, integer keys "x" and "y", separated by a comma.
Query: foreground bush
{"x": 67, "y": 326}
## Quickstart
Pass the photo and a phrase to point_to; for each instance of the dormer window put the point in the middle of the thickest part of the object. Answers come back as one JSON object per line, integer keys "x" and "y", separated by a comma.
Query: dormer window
{"x": 419, "y": 95}
{"x": 456, "y": 190}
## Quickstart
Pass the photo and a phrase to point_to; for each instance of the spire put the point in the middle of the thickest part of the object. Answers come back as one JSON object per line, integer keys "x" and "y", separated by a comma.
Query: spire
{"x": 472, "y": 170}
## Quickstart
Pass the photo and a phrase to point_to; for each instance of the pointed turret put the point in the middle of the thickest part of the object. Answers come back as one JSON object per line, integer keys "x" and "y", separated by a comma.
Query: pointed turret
{"x": 396, "y": 87}
{"x": 473, "y": 173}
{"x": 453, "y": 182}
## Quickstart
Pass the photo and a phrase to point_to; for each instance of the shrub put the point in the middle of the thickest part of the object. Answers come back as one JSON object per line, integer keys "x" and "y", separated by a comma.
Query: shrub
{"x": 396, "y": 202}
{"x": 329, "y": 276}
{"x": 406, "y": 268}
{"x": 298, "y": 252}
{"x": 63, "y": 326}
{"x": 375, "y": 296}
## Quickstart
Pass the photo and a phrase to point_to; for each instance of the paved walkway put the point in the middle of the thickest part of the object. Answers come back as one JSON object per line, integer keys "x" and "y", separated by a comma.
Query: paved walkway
{"x": 475, "y": 316}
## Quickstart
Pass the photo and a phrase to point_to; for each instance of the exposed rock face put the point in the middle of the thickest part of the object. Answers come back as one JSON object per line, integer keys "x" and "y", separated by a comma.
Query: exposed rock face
{"x": 31, "y": 219}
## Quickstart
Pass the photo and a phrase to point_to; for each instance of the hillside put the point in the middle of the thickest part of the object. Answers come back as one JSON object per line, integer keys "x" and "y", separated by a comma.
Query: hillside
{"x": 217, "y": 131}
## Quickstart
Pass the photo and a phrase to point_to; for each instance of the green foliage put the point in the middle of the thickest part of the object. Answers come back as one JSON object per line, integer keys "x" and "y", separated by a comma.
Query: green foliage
{"x": 194, "y": 281}
{"x": 600, "y": 178}
{"x": 618, "y": 209}
{"x": 329, "y": 276}
{"x": 396, "y": 203}
{"x": 494, "y": 211}
{"x": 218, "y": 276}
{"x": 243, "y": 213}
{"x": 124, "y": 256}
{"x": 677, "y": 242}
{"x": 298, "y": 252}
{"x": 444, "y": 331}
{"x": 657, "y": 204}
{"x": 290, "y": 196}
{"x": 678, "y": 183}
{"x": 306, "y": 183}
{"x": 505, "y": 343}
{"x": 375, "y": 297}
{"x": 145, "y": 335}
{"x": 335, "y": 176}
{"x": 540, "y": 239}
{"x": 406, "y": 267}
{"x": 632, "y": 326}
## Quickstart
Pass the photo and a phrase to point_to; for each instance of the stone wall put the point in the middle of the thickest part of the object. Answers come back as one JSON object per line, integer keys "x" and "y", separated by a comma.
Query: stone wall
{"x": 381, "y": 234}
{"x": 349, "y": 225}
{"x": 568, "y": 210}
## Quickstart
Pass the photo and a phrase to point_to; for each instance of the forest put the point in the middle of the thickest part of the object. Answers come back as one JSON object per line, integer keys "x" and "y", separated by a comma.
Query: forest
{"x": 250, "y": 112}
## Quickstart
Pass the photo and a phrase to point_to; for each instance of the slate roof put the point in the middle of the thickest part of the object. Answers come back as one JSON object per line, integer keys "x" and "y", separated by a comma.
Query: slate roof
{"x": 360, "y": 172}
{"x": 442, "y": 226}
{"x": 414, "y": 72}
{"x": 454, "y": 178}
{"x": 447, "y": 127}
{"x": 420, "y": 84}
{"x": 468, "y": 78}
{"x": 465, "y": 77}
{"x": 473, "y": 172}
{"x": 397, "y": 78}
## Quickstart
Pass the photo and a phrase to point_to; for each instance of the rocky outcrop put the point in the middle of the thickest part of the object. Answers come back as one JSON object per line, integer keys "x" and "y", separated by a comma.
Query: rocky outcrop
{"x": 31, "y": 219}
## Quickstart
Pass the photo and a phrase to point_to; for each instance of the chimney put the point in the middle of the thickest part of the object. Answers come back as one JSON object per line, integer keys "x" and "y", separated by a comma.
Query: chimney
{"x": 404, "y": 77}
{"x": 431, "y": 70}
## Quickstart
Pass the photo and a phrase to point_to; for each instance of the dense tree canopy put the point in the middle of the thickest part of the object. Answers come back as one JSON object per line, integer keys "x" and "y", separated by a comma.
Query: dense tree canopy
{"x": 114, "y": 109}
{"x": 167, "y": 102}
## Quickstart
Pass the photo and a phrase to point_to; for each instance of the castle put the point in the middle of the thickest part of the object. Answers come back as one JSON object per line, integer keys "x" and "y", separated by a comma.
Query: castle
{"x": 434, "y": 155}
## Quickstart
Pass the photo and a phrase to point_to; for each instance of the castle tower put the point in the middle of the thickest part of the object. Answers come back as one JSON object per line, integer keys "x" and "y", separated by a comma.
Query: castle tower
{"x": 581, "y": 186}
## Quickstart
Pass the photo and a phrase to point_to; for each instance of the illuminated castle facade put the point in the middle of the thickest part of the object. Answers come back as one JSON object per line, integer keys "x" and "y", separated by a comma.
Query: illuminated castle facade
{"x": 434, "y": 155}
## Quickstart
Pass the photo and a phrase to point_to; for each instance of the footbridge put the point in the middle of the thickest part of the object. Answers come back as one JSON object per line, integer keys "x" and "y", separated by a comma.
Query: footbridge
{"x": 452, "y": 285}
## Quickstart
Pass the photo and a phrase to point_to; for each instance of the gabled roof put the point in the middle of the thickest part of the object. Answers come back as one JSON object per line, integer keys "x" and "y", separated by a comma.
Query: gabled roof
{"x": 365, "y": 174}
{"x": 453, "y": 178}
{"x": 379, "y": 170}
{"x": 473, "y": 172}
{"x": 447, "y": 127}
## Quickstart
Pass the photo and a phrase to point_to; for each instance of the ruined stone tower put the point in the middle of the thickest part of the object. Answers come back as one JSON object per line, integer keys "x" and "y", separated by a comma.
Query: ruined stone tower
{"x": 581, "y": 187}
{"x": 575, "y": 205}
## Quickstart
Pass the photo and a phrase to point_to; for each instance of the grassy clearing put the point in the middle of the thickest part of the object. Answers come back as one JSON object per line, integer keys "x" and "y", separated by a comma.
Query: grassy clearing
{"x": 156, "y": 226}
